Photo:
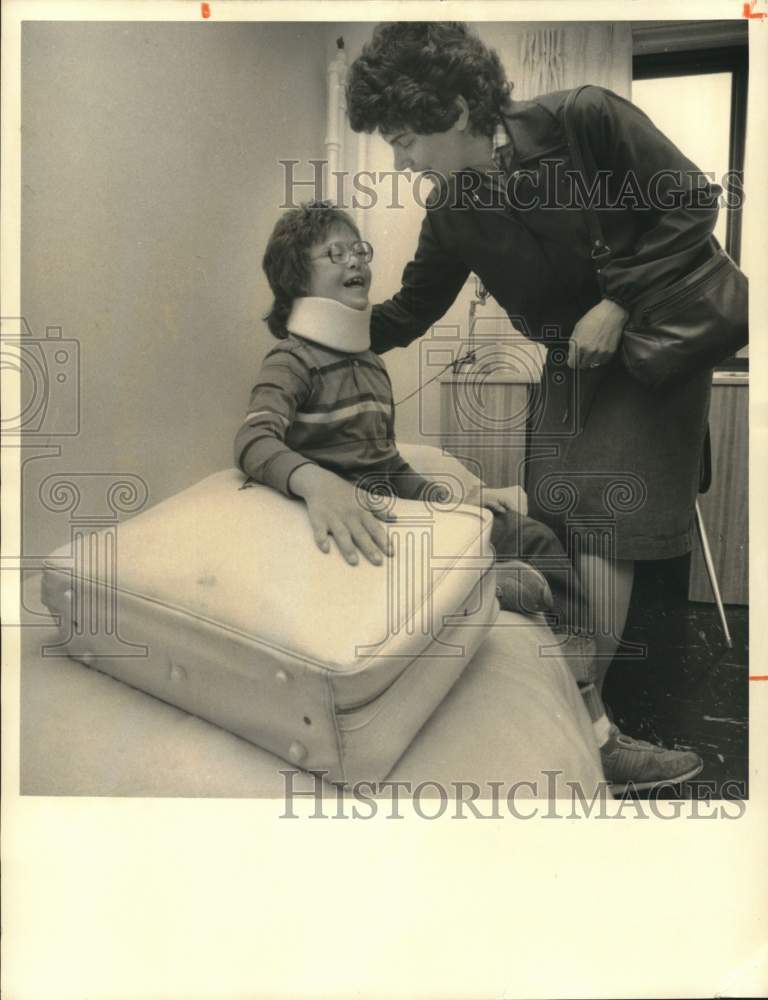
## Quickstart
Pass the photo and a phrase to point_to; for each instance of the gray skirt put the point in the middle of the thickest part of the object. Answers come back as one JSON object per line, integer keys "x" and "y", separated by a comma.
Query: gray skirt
{"x": 614, "y": 462}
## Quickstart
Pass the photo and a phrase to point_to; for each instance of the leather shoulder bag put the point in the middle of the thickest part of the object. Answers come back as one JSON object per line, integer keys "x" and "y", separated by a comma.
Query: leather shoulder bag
{"x": 685, "y": 328}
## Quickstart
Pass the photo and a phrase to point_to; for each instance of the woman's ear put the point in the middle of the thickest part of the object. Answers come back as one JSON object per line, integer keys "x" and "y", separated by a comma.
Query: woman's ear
{"x": 462, "y": 122}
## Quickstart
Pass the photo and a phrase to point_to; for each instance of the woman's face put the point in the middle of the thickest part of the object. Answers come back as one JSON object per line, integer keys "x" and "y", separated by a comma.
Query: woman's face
{"x": 346, "y": 283}
{"x": 445, "y": 153}
{"x": 441, "y": 152}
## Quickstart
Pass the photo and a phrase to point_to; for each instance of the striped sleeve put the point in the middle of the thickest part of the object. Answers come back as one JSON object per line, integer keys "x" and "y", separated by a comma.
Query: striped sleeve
{"x": 407, "y": 482}
{"x": 284, "y": 384}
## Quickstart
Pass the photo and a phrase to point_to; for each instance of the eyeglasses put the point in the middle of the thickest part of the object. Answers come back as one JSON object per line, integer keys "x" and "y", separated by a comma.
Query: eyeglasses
{"x": 340, "y": 253}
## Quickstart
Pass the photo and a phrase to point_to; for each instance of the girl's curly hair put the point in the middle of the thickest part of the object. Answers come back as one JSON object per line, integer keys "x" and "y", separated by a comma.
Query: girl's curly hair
{"x": 286, "y": 258}
{"x": 411, "y": 72}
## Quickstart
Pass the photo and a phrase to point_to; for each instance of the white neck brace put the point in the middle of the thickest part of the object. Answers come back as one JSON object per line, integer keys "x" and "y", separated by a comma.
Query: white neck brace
{"x": 331, "y": 324}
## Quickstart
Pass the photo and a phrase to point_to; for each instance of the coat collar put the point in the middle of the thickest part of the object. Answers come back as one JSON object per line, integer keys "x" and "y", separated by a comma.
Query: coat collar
{"x": 533, "y": 131}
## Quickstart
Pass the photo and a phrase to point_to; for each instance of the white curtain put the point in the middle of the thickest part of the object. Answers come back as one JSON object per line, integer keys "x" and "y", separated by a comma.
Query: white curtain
{"x": 556, "y": 56}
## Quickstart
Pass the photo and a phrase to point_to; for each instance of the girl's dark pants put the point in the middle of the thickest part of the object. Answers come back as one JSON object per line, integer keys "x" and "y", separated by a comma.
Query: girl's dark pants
{"x": 517, "y": 537}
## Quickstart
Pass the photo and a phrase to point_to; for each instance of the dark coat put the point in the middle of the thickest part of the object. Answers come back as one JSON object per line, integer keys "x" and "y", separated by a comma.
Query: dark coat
{"x": 536, "y": 263}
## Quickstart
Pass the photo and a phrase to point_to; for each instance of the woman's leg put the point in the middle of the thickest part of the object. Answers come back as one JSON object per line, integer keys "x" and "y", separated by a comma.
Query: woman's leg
{"x": 626, "y": 761}
{"x": 607, "y": 587}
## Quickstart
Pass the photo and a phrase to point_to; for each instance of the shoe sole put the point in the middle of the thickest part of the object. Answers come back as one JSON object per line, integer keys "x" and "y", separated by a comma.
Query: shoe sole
{"x": 644, "y": 786}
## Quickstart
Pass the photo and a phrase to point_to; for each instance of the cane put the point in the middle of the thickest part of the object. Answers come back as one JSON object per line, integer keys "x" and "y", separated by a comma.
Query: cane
{"x": 711, "y": 574}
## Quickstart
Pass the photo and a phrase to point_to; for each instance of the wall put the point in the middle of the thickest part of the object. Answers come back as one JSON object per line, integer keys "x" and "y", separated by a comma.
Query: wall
{"x": 150, "y": 185}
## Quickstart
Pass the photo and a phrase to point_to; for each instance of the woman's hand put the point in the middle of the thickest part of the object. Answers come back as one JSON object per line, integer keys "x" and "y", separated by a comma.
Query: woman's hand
{"x": 335, "y": 508}
{"x": 596, "y": 336}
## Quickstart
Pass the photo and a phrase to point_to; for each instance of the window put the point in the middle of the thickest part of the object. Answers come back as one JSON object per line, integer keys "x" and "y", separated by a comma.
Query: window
{"x": 679, "y": 91}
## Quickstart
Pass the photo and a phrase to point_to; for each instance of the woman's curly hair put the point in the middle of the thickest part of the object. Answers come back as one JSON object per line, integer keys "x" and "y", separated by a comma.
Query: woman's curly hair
{"x": 286, "y": 258}
{"x": 411, "y": 72}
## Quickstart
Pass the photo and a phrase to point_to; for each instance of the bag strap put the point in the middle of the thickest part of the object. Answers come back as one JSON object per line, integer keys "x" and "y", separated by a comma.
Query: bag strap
{"x": 600, "y": 252}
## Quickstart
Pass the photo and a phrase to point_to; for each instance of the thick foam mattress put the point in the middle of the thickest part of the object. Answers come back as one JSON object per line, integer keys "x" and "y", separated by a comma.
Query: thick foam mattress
{"x": 218, "y": 601}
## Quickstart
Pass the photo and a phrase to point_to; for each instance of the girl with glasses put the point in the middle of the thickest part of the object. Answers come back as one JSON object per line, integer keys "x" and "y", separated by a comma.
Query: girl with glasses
{"x": 321, "y": 416}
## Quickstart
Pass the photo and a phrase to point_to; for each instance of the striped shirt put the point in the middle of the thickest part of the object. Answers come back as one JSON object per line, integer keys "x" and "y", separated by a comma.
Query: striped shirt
{"x": 314, "y": 404}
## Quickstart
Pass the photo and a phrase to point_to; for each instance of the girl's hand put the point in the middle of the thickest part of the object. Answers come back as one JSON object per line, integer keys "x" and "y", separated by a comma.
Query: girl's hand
{"x": 336, "y": 509}
{"x": 596, "y": 336}
{"x": 499, "y": 501}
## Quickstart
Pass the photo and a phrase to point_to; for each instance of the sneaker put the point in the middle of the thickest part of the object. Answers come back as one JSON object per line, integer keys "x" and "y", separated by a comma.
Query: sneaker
{"x": 643, "y": 765}
{"x": 520, "y": 587}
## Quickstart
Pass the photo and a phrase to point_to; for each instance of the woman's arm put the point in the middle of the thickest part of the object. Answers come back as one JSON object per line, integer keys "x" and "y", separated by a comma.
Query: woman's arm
{"x": 682, "y": 205}
{"x": 675, "y": 217}
{"x": 430, "y": 284}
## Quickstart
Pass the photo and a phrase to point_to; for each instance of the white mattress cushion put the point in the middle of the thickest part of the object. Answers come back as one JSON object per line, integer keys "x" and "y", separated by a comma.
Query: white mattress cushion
{"x": 246, "y": 559}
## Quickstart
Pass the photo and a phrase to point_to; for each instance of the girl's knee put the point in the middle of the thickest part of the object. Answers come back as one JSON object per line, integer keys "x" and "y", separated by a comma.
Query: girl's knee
{"x": 539, "y": 538}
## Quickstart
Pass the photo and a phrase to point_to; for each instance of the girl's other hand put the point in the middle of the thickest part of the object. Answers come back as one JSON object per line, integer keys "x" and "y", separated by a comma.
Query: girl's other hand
{"x": 498, "y": 500}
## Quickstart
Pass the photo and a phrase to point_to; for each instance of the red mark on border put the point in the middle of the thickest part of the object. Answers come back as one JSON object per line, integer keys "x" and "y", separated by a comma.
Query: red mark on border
{"x": 755, "y": 677}
{"x": 205, "y": 9}
{"x": 748, "y": 10}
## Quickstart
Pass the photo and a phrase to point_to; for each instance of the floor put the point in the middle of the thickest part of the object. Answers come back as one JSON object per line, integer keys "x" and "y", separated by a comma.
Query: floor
{"x": 689, "y": 690}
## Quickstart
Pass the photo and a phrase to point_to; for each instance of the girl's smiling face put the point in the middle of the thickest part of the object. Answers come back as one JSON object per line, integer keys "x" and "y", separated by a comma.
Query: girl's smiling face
{"x": 346, "y": 283}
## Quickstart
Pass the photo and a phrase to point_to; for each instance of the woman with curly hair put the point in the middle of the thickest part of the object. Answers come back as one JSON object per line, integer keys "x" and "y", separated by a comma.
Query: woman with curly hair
{"x": 604, "y": 448}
